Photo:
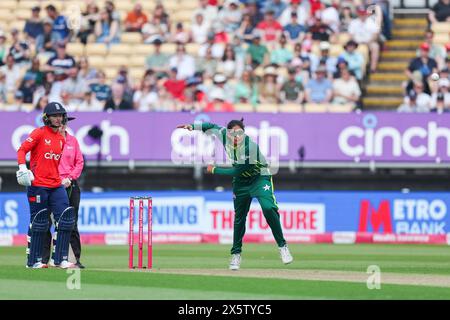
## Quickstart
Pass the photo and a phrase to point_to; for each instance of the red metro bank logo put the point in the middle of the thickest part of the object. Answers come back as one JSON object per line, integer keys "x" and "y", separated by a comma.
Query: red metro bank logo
{"x": 403, "y": 216}
{"x": 377, "y": 218}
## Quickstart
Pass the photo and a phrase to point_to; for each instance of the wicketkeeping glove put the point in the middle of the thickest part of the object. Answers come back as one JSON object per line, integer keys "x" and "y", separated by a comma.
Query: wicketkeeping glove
{"x": 24, "y": 176}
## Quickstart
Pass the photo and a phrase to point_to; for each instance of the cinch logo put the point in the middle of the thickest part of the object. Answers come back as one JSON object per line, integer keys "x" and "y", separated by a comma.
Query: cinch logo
{"x": 52, "y": 156}
{"x": 415, "y": 142}
{"x": 403, "y": 216}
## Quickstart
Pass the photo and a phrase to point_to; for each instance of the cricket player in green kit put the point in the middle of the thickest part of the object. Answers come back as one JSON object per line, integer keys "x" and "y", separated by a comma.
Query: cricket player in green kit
{"x": 251, "y": 179}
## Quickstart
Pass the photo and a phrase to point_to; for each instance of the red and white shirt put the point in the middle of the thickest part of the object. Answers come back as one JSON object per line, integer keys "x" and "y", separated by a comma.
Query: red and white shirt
{"x": 270, "y": 30}
{"x": 46, "y": 148}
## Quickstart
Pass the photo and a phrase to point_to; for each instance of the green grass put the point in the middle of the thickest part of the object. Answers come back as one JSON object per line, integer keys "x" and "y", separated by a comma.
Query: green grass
{"x": 101, "y": 281}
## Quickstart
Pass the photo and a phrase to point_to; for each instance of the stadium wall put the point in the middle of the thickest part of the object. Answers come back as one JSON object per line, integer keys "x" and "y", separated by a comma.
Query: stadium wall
{"x": 207, "y": 217}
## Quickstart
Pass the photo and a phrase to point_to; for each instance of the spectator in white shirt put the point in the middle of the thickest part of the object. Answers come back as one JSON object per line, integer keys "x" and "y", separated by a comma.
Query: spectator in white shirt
{"x": 155, "y": 29}
{"x": 410, "y": 104}
{"x": 302, "y": 13}
{"x": 181, "y": 35}
{"x": 200, "y": 29}
{"x": 346, "y": 89}
{"x": 208, "y": 11}
{"x": 74, "y": 88}
{"x": 12, "y": 73}
{"x": 146, "y": 98}
{"x": 440, "y": 106}
{"x": 330, "y": 16}
{"x": 90, "y": 103}
{"x": 228, "y": 64}
{"x": 364, "y": 30}
{"x": 443, "y": 91}
{"x": 423, "y": 100}
{"x": 220, "y": 83}
{"x": 230, "y": 16}
{"x": 217, "y": 49}
{"x": 184, "y": 63}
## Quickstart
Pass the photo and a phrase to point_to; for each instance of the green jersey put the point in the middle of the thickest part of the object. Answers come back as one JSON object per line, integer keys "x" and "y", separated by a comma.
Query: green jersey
{"x": 248, "y": 163}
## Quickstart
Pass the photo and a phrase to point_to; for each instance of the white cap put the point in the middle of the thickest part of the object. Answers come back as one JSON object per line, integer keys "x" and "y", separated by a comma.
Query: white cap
{"x": 324, "y": 45}
{"x": 270, "y": 71}
{"x": 219, "y": 78}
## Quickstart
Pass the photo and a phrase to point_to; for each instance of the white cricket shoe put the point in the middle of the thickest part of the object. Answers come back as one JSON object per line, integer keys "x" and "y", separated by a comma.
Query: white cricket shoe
{"x": 67, "y": 265}
{"x": 38, "y": 265}
{"x": 286, "y": 256}
{"x": 235, "y": 262}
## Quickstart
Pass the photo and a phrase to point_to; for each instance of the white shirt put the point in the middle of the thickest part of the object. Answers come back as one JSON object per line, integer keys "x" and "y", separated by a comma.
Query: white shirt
{"x": 200, "y": 32}
{"x": 234, "y": 17}
{"x": 347, "y": 88}
{"x": 74, "y": 87}
{"x": 330, "y": 16}
{"x": 363, "y": 32}
{"x": 185, "y": 65}
{"x": 423, "y": 100}
{"x": 285, "y": 18}
{"x": 209, "y": 14}
{"x": 446, "y": 100}
{"x": 228, "y": 68}
{"x": 11, "y": 76}
{"x": 145, "y": 101}
{"x": 227, "y": 90}
{"x": 151, "y": 32}
{"x": 217, "y": 50}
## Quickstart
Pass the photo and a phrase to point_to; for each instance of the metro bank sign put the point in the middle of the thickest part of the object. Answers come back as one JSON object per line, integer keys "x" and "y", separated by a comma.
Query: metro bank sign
{"x": 403, "y": 216}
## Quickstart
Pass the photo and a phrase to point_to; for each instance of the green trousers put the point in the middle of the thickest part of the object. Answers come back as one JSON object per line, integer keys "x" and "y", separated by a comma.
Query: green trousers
{"x": 262, "y": 189}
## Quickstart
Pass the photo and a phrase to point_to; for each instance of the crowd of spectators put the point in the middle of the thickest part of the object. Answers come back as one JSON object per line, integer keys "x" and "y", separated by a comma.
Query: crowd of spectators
{"x": 422, "y": 93}
{"x": 249, "y": 52}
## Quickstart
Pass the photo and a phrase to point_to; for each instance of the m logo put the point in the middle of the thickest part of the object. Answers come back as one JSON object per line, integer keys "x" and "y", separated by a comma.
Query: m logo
{"x": 47, "y": 142}
{"x": 377, "y": 218}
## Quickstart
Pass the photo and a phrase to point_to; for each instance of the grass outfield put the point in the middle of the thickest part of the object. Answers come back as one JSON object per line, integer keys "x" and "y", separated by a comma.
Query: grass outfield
{"x": 200, "y": 272}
